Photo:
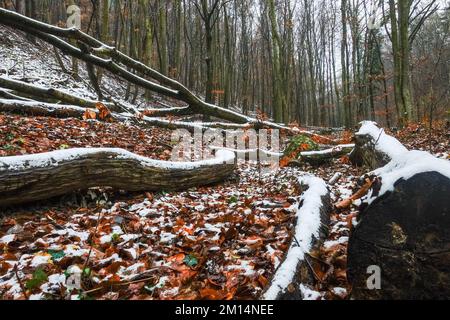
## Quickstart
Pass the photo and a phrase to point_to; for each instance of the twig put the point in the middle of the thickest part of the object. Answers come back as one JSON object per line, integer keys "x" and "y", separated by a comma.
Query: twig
{"x": 99, "y": 218}
{"x": 379, "y": 136}
{"x": 122, "y": 284}
{"x": 312, "y": 269}
{"x": 20, "y": 282}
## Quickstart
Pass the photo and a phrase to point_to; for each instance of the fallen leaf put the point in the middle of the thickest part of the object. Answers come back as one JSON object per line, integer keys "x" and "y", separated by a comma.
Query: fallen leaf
{"x": 89, "y": 115}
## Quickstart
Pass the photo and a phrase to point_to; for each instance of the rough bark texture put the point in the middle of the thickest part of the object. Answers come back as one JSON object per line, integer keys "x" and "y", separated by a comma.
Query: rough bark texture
{"x": 99, "y": 169}
{"x": 40, "y": 109}
{"x": 405, "y": 233}
{"x": 365, "y": 153}
{"x": 321, "y": 157}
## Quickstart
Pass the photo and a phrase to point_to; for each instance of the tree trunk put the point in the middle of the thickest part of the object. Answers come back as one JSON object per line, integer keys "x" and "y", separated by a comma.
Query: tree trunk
{"x": 25, "y": 179}
{"x": 104, "y": 34}
{"x": 399, "y": 12}
{"x": 50, "y": 94}
{"x": 166, "y": 86}
{"x": 346, "y": 101}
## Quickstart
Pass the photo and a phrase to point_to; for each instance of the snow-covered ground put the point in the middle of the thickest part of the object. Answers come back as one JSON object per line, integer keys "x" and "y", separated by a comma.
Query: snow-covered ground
{"x": 225, "y": 241}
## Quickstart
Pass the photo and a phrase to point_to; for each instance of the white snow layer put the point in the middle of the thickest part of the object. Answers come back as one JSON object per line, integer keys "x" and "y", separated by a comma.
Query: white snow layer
{"x": 384, "y": 143}
{"x": 306, "y": 229}
{"x": 54, "y": 158}
{"x": 404, "y": 164}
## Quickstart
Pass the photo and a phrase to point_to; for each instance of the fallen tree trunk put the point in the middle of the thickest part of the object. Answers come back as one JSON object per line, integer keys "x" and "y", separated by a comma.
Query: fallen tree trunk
{"x": 400, "y": 247}
{"x": 50, "y": 93}
{"x": 291, "y": 279}
{"x": 29, "y": 178}
{"x": 405, "y": 234}
{"x": 312, "y": 157}
{"x": 43, "y": 109}
{"x": 44, "y": 94}
{"x": 322, "y": 156}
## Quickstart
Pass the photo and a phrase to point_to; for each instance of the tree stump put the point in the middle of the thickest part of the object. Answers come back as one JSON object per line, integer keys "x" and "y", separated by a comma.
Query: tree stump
{"x": 405, "y": 233}
{"x": 366, "y": 154}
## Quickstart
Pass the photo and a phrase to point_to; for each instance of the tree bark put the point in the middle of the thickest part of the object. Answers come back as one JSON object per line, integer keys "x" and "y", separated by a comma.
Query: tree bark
{"x": 323, "y": 156}
{"x": 25, "y": 179}
{"x": 50, "y": 93}
{"x": 366, "y": 154}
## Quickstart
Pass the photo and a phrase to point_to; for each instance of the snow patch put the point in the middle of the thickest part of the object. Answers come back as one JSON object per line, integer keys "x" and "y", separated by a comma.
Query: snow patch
{"x": 7, "y": 239}
{"x": 309, "y": 294}
{"x": 384, "y": 143}
{"x": 55, "y": 158}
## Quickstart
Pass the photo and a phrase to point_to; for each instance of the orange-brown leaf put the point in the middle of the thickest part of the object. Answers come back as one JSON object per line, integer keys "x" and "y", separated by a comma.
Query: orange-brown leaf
{"x": 89, "y": 115}
{"x": 103, "y": 111}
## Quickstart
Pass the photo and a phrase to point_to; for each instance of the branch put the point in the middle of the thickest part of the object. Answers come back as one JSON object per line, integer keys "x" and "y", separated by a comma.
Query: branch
{"x": 50, "y": 93}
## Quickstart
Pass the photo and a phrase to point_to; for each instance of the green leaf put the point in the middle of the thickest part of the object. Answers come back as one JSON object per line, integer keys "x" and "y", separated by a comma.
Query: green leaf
{"x": 64, "y": 146}
{"x": 21, "y": 141}
{"x": 115, "y": 237}
{"x": 8, "y": 147}
{"x": 87, "y": 272}
{"x": 233, "y": 199}
{"x": 298, "y": 144}
{"x": 56, "y": 255}
{"x": 39, "y": 277}
{"x": 190, "y": 261}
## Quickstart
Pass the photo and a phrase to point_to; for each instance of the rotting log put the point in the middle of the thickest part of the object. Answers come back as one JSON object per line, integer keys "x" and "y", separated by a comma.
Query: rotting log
{"x": 323, "y": 156}
{"x": 25, "y": 179}
{"x": 400, "y": 246}
{"x": 404, "y": 235}
{"x": 373, "y": 147}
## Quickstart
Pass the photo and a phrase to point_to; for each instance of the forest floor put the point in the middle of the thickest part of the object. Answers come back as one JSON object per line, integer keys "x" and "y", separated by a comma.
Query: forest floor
{"x": 218, "y": 242}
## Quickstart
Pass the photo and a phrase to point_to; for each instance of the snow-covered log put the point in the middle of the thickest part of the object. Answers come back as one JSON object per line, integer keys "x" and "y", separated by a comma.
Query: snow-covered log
{"x": 315, "y": 157}
{"x": 373, "y": 147}
{"x": 36, "y": 177}
{"x": 402, "y": 232}
{"x": 319, "y": 157}
{"x": 292, "y": 276}
{"x": 35, "y": 108}
{"x": 52, "y": 94}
